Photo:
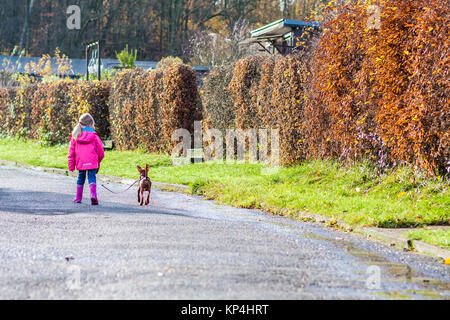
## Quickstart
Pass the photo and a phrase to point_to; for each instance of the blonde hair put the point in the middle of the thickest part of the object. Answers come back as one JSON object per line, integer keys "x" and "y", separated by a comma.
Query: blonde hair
{"x": 86, "y": 120}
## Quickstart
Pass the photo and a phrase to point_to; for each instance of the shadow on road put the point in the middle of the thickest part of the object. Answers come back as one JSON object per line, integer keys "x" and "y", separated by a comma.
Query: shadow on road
{"x": 50, "y": 203}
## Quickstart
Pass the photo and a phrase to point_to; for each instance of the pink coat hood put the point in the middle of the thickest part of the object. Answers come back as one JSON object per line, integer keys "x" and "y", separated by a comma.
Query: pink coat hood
{"x": 86, "y": 152}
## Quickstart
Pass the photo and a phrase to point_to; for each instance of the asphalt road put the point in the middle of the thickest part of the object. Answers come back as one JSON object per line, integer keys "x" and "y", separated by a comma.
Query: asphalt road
{"x": 183, "y": 247}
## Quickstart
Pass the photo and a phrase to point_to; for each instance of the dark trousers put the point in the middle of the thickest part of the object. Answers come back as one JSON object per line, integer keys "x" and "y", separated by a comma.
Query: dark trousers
{"x": 91, "y": 176}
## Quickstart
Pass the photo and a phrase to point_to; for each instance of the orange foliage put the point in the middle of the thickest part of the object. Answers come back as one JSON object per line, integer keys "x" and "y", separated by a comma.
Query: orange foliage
{"x": 289, "y": 80}
{"x": 146, "y": 107}
{"x": 91, "y": 97}
{"x": 410, "y": 57}
{"x": 48, "y": 111}
{"x": 383, "y": 90}
{"x": 246, "y": 75}
{"x": 180, "y": 102}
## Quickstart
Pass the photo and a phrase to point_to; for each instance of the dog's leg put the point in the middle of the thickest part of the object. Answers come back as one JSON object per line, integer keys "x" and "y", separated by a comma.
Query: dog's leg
{"x": 147, "y": 201}
{"x": 149, "y": 191}
{"x": 139, "y": 195}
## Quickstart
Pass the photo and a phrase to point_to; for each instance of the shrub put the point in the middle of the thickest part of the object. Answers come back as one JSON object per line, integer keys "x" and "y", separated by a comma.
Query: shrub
{"x": 289, "y": 79}
{"x": 147, "y": 106}
{"x": 47, "y": 112}
{"x": 430, "y": 67}
{"x": 123, "y": 108}
{"x": 246, "y": 76}
{"x": 147, "y": 120}
{"x": 7, "y": 96}
{"x": 180, "y": 102}
{"x": 127, "y": 59}
{"x": 22, "y": 102}
{"x": 91, "y": 97}
{"x": 167, "y": 62}
{"x": 269, "y": 92}
{"x": 263, "y": 93}
{"x": 55, "y": 108}
{"x": 382, "y": 91}
{"x": 216, "y": 99}
{"x": 51, "y": 121}
{"x": 339, "y": 118}
{"x": 409, "y": 55}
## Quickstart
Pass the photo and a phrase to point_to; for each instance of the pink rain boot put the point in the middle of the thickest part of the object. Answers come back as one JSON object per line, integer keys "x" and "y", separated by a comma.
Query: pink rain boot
{"x": 93, "y": 188}
{"x": 79, "y": 196}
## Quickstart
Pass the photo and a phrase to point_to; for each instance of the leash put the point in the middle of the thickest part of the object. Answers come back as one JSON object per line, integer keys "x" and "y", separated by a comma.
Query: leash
{"x": 123, "y": 190}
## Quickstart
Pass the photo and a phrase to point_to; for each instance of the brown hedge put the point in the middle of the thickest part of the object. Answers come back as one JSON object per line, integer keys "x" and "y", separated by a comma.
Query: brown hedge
{"x": 52, "y": 122}
{"x": 147, "y": 121}
{"x": 339, "y": 115}
{"x": 290, "y": 76}
{"x": 124, "y": 94}
{"x": 146, "y": 107}
{"x": 91, "y": 97}
{"x": 7, "y": 115}
{"x": 47, "y": 112}
{"x": 216, "y": 98}
{"x": 15, "y": 110}
{"x": 263, "y": 93}
{"x": 180, "y": 102}
{"x": 134, "y": 106}
{"x": 409, "y": 55}
{"x": 383, "y": 92}
{"x": 269, "y": 92}
{"x": 243, "y": 86}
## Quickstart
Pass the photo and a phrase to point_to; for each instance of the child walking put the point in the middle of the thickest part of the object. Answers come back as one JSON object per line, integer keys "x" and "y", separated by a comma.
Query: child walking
{"x": 85, "y": 154}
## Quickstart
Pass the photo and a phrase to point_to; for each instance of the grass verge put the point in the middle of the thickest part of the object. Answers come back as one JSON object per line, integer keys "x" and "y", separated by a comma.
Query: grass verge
{"x": 439, "y": 237}
{"x": 353, "y": 194}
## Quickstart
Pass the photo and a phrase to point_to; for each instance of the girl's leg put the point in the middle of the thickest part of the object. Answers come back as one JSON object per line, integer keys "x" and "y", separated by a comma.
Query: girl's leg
{"x": 80, "y": 185}
{"x": 93, "y": 186}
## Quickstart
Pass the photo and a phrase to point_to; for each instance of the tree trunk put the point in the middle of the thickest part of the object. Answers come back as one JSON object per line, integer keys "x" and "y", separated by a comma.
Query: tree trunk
{"x": 25, "y": 25}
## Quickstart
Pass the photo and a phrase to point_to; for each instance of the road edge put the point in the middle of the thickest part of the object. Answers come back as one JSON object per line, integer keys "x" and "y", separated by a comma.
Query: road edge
{"x": 392, "y": 238}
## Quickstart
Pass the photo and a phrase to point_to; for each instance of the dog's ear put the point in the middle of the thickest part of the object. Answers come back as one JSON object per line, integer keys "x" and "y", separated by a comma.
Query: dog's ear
{"x": 147, "y": 167}
{"x": 139, "y": 169}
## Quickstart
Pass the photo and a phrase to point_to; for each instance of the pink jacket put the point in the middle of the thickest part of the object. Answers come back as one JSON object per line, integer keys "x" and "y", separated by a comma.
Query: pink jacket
{"x": 86, "y": 152}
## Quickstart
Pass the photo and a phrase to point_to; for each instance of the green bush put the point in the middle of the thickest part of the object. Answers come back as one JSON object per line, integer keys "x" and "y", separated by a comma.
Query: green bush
{"x": 127, "y": 59}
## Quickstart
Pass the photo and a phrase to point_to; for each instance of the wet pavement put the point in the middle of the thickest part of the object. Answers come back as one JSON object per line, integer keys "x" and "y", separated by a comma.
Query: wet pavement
{"x": 183, "y": 247}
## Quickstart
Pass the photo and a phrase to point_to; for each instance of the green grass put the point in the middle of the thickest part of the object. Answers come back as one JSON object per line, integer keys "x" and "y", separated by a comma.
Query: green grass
{"x": 355, "y": 194}
{"x": 440, "y": 237}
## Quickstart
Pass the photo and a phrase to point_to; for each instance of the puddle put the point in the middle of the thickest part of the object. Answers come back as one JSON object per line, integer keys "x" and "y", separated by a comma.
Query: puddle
{"x": 408, "y": 294}
{"x": 395, "y": 272}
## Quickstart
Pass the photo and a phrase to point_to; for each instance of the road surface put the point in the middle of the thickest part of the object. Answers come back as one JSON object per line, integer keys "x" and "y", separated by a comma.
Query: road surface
{"x": 183, "y": 247}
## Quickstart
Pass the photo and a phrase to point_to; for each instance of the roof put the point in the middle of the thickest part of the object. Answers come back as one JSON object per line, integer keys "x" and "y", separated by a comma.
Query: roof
{"x": 281, "y": 27}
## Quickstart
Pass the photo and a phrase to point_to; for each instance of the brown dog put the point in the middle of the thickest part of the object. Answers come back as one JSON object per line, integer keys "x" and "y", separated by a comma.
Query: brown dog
{"x": 144, "y": 185}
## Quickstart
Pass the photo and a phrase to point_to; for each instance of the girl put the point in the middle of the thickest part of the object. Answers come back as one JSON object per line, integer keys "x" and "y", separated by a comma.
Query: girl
{"x": 85, "y": 154}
